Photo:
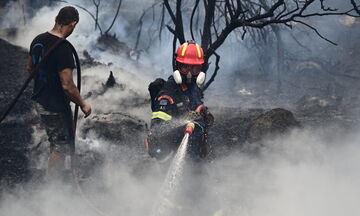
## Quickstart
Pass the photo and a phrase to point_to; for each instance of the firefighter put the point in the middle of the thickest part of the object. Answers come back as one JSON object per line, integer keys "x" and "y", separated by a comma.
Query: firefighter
{"x": 178, "y": 107}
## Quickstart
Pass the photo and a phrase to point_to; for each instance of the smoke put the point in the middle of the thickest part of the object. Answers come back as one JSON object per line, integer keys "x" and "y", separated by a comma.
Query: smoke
{"x": 252, "y": 65}
{"x": 131, "y": 75}
{"x": 250, "y": 73}
{"x": 306, "y": 172}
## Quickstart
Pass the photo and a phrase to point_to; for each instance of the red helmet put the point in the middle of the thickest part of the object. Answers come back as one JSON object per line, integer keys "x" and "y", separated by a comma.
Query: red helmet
{"x": 190, "y": 53}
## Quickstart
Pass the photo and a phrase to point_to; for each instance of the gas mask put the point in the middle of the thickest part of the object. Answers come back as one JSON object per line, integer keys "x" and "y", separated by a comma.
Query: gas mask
{"x": 189, "y": 77}
{"x": 188, "y": 74}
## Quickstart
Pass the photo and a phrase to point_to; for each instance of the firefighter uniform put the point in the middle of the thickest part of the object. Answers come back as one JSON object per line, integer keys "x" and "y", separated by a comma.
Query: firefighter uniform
{"x": 175, "y": 103}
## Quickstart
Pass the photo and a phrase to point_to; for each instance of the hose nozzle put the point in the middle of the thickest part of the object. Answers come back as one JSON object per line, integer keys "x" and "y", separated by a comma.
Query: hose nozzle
{"x": 189, "y": 128}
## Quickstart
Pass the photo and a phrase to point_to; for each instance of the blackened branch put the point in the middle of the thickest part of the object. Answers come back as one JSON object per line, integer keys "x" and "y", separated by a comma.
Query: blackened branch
{"x": 174, "y": 47}
{"x": 239, "y": 9}
{"x": 249, "y": 15}
{"x": 229, "y": 9}
{"x": 86, "y": 10}
{"x": 214, "y": 74}
{"x": 140, "y": 24}
{"x": 192, "y": 18}
{"x": 260, "y": 21}
{"x": 209, "y": 14}
{"x": 269, "y": 13}
{"x": 162, "y": 20}
{"x": 226, "y": 16}
{"x": 171, "y": 13}
{"x": 179, "y": 28}
{"x": 113, "y": 21}
{"x": 282, "y": 12}
{"x": 356, "y": 7}
{"x": 171, "y": 30}
{"x": 244, "y": 33}
{"x": 316, "y": 31}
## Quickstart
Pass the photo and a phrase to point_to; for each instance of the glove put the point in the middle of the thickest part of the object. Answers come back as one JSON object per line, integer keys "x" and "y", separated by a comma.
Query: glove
{"x": 209, "y": 118}
{"x": 193, "y": 116}
{"x": 206, "y": 115}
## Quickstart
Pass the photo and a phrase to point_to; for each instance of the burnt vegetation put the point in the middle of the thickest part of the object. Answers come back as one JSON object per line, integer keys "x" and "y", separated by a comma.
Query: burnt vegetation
{"x": 212, "y": 21}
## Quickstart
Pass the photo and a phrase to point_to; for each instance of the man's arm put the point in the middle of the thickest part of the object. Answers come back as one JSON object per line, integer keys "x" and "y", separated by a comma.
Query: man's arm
{"x": 66, "y": 78}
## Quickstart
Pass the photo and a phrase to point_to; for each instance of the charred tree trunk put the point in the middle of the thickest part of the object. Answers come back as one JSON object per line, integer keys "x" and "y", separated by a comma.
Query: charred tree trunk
{"x": 97, "y": 4}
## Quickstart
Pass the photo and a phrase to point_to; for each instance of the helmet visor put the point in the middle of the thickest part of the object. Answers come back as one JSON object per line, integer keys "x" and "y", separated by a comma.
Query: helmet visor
{"x": 193, "y": 69}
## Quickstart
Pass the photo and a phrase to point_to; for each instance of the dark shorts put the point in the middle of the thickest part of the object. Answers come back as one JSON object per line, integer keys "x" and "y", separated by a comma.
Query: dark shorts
{"x": 59, "y": 130}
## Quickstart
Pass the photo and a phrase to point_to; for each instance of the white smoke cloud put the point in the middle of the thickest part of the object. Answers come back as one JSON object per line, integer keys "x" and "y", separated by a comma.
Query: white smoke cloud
{"x": 304, "y": 173}
{"x": 307, "y": 172}
{"x": 135, "y": 76}
{"x": 235, "y": 57}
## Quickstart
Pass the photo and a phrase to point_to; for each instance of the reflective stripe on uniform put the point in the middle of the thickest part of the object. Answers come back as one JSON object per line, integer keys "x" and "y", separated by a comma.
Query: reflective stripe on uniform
{"x": 161, "y": 115}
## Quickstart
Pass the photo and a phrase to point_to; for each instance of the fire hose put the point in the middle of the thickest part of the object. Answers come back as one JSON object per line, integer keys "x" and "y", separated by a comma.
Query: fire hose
{"x": 76, "y": 112}
{"x": 72, "y": 147}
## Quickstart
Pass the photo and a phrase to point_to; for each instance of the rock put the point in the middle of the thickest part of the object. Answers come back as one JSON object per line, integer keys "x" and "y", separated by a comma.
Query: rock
{"x": 110, "y": 43}
{"x": 275, "y": 121}
{"x": 228, "y": 132}
{"x": 121, "y": 133}
{"x": 119, "y": 128}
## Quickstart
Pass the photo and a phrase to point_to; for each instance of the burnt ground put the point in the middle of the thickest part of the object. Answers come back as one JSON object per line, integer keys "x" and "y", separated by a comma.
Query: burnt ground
{"x": 16, "y": 130}
{"x": 229, "y": 132}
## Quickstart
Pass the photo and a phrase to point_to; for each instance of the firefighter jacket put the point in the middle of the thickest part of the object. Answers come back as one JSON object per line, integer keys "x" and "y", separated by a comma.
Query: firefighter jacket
{"x": 173, "y": 107}
{"x": 174, "y": 102}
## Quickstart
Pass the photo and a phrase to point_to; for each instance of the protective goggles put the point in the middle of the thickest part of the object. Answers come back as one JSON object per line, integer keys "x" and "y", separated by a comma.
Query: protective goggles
{"x": 193, "y": 69}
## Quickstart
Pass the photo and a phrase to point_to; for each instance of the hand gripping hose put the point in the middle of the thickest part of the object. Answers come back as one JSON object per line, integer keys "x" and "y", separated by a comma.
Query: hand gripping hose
{"x": 89, "y": 203}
